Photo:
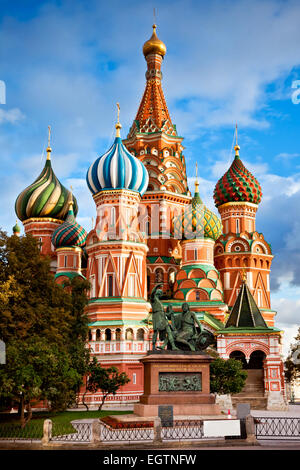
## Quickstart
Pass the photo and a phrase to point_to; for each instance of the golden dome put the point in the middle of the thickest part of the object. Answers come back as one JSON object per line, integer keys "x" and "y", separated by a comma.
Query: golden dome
{"x": 154, "y": 45}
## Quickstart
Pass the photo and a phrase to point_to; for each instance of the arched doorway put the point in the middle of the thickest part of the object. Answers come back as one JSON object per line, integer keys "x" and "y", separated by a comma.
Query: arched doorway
{"x": 254, "y": 387}
{"x": 255, "y": 380}
{"x": 240, "y": 356}
{"x": 256, "y": 360}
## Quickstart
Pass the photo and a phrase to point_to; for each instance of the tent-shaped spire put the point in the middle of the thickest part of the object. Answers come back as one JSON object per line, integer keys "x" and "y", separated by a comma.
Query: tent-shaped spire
{"x": 245, "y": 313}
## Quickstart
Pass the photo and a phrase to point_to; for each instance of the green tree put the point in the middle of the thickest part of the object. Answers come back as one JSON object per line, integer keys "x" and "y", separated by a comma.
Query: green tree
{"x": 108, "y": 380}
{"x": 227, "y": 376}
{"x": 44, "y": 328}
{"x": 292, "y": 362}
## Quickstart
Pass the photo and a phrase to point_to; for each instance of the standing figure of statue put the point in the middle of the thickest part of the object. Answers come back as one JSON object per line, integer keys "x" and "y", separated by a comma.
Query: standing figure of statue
{"x": 188, "y": 334}
{"x": 160, "y": 322}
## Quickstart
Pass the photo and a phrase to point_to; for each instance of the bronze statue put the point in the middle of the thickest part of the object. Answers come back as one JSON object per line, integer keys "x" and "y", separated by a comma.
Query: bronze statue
{"x": 181, "y": 331}
{"x": 160, "y": 322}
{"x": 188, "y": 333}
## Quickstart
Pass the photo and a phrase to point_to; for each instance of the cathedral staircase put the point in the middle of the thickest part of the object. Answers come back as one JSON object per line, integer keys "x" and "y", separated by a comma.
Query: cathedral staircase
{"x": 253, "y": 391}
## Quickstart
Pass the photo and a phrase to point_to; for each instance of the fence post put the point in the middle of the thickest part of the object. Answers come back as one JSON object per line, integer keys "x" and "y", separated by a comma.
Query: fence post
{"x": 250, "y": 430}
{"x": 96, "y": 432}
{"x": 47, "y": 431}
{"x": 157, "y": 430}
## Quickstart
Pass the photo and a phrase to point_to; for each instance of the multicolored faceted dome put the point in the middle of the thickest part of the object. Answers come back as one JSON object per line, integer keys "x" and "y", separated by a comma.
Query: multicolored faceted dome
{"x": 45, "y": 197}
{"x": 70, "y": 233}
{"x": 117, "y": 169}
{"x": 237, "y": 185}
{"x": 197, "y": 221}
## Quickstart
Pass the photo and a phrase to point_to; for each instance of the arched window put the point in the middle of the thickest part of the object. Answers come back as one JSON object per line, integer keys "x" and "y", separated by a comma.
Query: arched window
{"x": 118, "y": 334}
{"x": 129, "y": 334}
{"x": 159, "y": 276}
{"x": 107, "y": 334}
{"x": 140, "y": 334}
{"x": 98, "y": 335}
{"x": 147, "y": 228}
{"x": 90, "y": 335}
{"x": 110, "y": 281}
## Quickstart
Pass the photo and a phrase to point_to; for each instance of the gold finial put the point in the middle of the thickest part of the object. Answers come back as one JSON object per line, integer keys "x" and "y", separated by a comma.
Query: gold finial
{"x": 237, "y": 147}
{"x": 71, "y": 202}
{"x": 49, "y": 150}
{"x": 118, "y": 125}
{"x": 154, "y": 45}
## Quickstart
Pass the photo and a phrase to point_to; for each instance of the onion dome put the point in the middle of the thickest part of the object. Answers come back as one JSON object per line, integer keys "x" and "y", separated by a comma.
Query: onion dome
{"x": 154, "y": 45}
{"x": 117, "y": 169}
{"x": 237, "y": 185}
{"x": 45, "y": 197}
{"x": 16, "y": 229}
{"x": 70, "y": 233}
{"x": 197, "y": 221}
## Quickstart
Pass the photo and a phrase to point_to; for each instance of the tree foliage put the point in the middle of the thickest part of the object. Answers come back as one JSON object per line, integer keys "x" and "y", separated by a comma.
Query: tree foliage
{"x": 44, "y": 328}
{"x": 292, "y": 362}
{"x": 108, "y": 380}
{"x": 227, "y": 376}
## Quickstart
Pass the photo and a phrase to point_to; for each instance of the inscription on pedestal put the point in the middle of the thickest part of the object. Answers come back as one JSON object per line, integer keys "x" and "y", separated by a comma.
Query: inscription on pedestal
{"x": 179, "y": 382}
{"x": 165, "y": 412}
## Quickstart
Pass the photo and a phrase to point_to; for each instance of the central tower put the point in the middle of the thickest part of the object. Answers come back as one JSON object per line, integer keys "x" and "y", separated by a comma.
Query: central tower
{"x": 154, "y": 140}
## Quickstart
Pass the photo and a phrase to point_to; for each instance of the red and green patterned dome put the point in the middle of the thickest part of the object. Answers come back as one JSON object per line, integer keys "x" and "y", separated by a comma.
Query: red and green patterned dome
{"x": 197, "y": 221}
{"x": 237, "y": 185}
{"x": 70, "y": 233}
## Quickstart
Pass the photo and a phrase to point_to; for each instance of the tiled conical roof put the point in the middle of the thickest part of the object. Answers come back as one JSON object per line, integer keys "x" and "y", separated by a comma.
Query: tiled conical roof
{"x": 245, "y": 313}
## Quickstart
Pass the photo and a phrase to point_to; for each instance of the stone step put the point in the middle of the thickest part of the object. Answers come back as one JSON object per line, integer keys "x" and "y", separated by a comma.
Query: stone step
{"x": 256, "y": 403}
{"x": 252, "y": 391}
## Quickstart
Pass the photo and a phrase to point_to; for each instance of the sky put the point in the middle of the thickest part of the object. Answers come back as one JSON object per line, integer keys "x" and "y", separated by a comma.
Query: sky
{"x": 66, "y": 63}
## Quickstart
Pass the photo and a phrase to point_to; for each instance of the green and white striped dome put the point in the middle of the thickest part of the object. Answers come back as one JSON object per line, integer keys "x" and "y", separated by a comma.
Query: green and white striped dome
{"x": 45, "y": 197}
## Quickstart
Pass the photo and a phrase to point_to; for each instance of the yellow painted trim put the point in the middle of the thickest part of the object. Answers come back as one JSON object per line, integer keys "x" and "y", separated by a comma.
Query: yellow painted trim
{"x": 42, "y": 219}
{"x": 69, "y": 248}
{"x": 238, "y": 203}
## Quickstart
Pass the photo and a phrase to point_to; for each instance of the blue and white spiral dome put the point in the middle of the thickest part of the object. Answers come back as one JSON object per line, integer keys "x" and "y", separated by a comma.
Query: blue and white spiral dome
{"x": 117, "y": 169}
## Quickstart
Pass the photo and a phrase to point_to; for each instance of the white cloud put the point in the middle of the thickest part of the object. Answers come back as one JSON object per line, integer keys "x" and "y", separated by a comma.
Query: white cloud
{"x": 287, "y": 156}
{"x": 11, "y": 115}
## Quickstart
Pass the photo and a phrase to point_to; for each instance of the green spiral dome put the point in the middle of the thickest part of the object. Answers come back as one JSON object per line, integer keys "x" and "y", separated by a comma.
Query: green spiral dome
{"x": 45, "y": 197}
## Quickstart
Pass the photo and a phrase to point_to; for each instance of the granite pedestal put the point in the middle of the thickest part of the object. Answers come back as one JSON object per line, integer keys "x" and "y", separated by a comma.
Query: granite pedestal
{"x": 178, "y": 379}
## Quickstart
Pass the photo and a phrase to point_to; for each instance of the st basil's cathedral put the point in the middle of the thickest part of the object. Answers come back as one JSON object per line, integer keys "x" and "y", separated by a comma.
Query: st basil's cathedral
{"x": 150, "y": 230}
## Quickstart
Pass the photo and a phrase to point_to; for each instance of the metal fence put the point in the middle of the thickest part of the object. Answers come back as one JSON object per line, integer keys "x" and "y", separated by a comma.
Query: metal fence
{"x": 14, "y": 432}
{"x": 73, "y": 432}
{"x": 183, "y": 430}
{"x": 142, "y": 434}
{"x": 277, "y": 428}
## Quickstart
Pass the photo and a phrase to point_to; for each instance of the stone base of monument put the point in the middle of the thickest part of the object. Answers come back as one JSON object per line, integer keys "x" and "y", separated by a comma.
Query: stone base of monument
{"x": 180, "y": 380}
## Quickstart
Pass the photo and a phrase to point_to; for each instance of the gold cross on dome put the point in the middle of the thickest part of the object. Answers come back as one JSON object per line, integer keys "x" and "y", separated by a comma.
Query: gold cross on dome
{"x": 118, "y": 118}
